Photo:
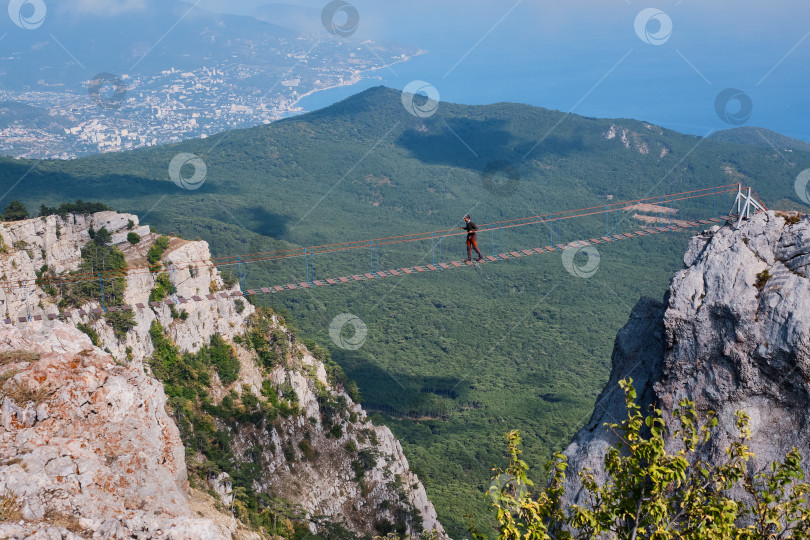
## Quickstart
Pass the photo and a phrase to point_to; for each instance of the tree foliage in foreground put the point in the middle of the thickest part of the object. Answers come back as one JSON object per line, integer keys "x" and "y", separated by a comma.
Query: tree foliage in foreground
{"x": 652, "y": 492}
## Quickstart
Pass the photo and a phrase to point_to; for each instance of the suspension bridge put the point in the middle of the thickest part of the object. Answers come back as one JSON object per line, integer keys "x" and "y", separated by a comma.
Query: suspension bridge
{"x": 746, "y": 203}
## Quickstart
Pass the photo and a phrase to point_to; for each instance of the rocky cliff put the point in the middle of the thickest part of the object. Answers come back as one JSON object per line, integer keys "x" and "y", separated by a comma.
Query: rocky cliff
{"x": 253, "y": 418}
{"x": 732, "y": 334}
{"x": 56, "y": 242}
{"x": 86, "y": 446}
{"x": 328, "y": 457}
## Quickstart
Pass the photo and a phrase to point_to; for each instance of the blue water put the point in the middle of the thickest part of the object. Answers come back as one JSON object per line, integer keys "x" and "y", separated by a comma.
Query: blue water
{"x": 643, "y": 94}
{"x": 605, "y": 70}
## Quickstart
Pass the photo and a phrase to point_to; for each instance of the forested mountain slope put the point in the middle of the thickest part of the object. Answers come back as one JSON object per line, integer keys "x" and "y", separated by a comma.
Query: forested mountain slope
{"x": 451, "y": 360}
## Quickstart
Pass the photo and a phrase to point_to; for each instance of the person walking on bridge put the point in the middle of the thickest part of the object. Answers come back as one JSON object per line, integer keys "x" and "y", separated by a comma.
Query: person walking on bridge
{"x": 472, "y": 242}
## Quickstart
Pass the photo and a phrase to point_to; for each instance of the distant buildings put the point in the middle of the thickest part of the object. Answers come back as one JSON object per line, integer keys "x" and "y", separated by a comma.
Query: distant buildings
{"x": 174, "y": 105}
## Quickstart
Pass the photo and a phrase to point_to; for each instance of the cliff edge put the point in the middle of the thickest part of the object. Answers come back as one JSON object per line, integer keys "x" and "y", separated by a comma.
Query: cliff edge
{"x": 200, "y": 419}
{"x": 732, "y": 333}
{"x": 86, "y": 445}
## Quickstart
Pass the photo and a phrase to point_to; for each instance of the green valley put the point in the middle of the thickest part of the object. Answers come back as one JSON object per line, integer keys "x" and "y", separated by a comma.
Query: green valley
{"x": 453, "y": 360}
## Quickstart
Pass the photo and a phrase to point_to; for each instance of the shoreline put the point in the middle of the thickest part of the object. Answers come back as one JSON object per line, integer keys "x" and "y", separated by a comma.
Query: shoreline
{"x": 291, "y": 109}
{"x": 356, "y": 78}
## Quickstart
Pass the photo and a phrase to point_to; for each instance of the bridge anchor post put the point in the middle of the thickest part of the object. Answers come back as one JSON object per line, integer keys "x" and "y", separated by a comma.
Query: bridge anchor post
{"x": 746, "y": 205}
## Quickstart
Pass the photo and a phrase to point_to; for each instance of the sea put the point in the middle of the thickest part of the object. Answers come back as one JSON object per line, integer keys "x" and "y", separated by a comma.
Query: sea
{"x": 690, "y": 89}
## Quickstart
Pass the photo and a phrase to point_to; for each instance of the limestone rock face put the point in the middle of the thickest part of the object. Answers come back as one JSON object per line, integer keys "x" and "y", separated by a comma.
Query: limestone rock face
{"x": 56, "y": 241}
{"x": 637, "y": 353}
{"x": 52, "y": 241}
{"x": 86, "y": 445}
{"x": 387, "y": 492}
{"x": 734, "y": 333}
{"x": 103, "y": 427}
{"x": 191, "y": 278}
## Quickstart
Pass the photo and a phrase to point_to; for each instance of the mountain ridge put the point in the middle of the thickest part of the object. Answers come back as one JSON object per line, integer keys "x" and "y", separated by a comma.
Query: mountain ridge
{"x": 757, "y": 136}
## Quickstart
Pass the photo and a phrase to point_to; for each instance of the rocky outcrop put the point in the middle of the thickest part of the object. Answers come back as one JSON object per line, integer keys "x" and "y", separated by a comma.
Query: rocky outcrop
{"x": 30, "y": 244}
{"x": 327, "y": 460}
{"x": 636, "y": 140}
{"x": 637, "y": 353}
{"x": 55, "y": 242}
{"x": 86, "y": 446}
{"x": 733, "y": 334}
{"x": 370, "y": 485}
{"x": 191, "y": 277}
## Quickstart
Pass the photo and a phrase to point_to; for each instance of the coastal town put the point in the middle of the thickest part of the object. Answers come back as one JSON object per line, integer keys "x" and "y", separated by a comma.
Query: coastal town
{"x": 135, "y": 111}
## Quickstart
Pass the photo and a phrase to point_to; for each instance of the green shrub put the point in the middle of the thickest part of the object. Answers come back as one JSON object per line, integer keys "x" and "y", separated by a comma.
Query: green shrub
{"x": 229, "y": 279}
{"x": 163, "y": 287}
{"x": 269, "y": 392}
{"x": 102, "y": 237}
{"x": 224, "y": 359}
{"x": 92, "y": 334}
{"x": 287, "y": 408}
{"x": 658, "y": 485}
{"x": 249, "y": 400}
{"x": 307, "y": 451}
{"x": 15, "y": 211}
{"x": 79, "y": 207}
{"x": 156, "y": 252}
{"x": 121, "y": 322}
{"x": 762, "y": 279}
{"x": 165, "y": 354}
{"x": 289, "y": 452}
{"x": 133, "y": 238}
{"x": 256, "y": 339}
{"x": 357, "y": 467}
